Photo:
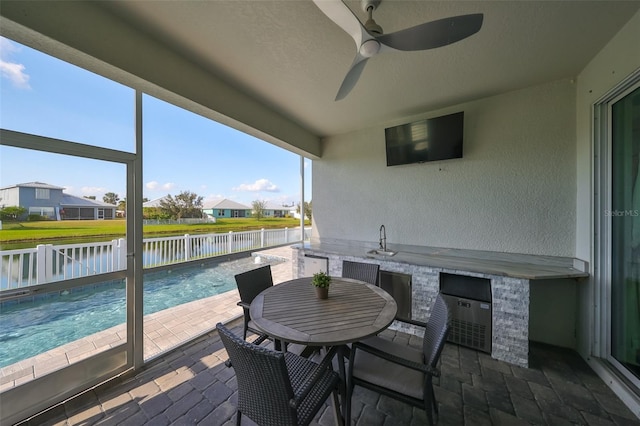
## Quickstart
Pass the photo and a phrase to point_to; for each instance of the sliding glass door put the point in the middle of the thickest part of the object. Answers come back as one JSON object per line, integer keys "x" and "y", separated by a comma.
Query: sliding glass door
{"x": 624, "y": 216}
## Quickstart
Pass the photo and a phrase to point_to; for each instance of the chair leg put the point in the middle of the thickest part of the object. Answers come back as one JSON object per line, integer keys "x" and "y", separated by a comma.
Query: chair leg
{"x": 339, "y": 417}
{"x": 349, "y": 386}
{"x": 344, "y": 393}
{"x": 347, "y": 409}
{"x": 238, "y": 418}
{"x": 434, "y": 403}
{"x": 429, "y": 403}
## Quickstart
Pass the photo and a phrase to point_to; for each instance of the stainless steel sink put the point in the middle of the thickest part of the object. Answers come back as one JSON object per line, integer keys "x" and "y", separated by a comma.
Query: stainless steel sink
{"x": 378, "y": 252}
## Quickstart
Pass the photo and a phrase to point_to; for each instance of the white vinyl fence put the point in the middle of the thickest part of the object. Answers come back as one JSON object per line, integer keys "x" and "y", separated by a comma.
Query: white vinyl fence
{"x": 47, "y": 263}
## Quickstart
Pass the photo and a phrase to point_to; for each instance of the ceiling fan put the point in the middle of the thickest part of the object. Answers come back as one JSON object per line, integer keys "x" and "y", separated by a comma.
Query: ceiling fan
{"x": 370, "y": 40}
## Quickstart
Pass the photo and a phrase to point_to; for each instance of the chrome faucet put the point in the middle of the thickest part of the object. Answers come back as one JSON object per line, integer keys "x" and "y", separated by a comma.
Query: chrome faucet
{"x": 383, "y": 238}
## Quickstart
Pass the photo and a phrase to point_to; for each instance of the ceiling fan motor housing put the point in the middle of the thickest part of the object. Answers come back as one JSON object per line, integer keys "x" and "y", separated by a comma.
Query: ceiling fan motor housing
{"x": 373, "y": 27}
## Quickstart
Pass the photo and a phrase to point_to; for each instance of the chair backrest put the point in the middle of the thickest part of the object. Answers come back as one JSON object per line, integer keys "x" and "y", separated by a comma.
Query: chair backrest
{"x": 264, "y": 388}
{"x": 252, "y": 282}
{"x": 436, "y": 331}
{"x": 367, "y": 272}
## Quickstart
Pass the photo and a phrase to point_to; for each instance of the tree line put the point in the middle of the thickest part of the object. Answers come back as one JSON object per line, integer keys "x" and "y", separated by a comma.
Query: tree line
{"x": 185, "y": 205}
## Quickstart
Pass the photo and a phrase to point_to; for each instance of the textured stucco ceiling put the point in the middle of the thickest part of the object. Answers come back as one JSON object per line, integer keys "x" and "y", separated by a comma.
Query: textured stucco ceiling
{"x": 290, "y": 57}
{"x": 293, "y": 57}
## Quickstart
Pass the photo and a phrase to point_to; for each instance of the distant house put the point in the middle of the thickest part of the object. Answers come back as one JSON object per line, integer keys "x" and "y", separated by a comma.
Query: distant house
{"x": 51, "y": 202}
{"x": 276, "y": 210}
{"x": 226, "y": 208}
{"x": 153, "y": 203}
{"x": 293, "y": 212}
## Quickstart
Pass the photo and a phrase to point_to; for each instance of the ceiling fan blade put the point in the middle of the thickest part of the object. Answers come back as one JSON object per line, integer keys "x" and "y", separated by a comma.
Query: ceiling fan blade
{"x": 434, "y": 34}
{"x": 342, "y": 16}
{"x": 352, "y": 77}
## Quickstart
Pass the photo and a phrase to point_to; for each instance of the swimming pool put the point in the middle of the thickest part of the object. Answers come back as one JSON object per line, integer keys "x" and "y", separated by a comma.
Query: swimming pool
{"x": 30, "y": 328}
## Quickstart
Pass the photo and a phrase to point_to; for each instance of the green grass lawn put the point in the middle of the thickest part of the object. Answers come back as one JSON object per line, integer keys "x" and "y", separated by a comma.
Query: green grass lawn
{"x": 100, "y": 230}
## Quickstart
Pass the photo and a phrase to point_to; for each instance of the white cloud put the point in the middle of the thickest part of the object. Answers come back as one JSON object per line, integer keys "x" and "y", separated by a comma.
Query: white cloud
{"x": 257, "y": 186}
{"x": 93, "y": 190}
{"x": 155, "y": 185}
{"x": 12, "y": 71}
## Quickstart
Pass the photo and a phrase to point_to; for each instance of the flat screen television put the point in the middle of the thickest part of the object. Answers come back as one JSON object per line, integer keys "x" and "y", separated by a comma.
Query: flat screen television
{"x": 432, "y": 139}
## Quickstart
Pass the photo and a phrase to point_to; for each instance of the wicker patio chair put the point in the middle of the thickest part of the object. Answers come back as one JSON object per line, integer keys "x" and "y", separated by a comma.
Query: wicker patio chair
{"x": 278, "y": 388}
{"x": 250, "y": 284}
{"x": 367, "y": 272}
{"x": 400, "y": 371}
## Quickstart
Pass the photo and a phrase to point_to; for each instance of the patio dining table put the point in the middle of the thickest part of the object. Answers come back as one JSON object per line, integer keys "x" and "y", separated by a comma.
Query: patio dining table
{"x": 291, "y": 312}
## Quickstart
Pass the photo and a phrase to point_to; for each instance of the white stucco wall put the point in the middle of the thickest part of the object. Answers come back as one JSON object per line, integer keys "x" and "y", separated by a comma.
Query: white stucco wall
{"x": 514, "y": 190}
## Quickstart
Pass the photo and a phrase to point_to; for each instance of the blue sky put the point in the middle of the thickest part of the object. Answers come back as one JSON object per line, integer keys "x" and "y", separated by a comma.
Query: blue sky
{"x": 182, "y": 151}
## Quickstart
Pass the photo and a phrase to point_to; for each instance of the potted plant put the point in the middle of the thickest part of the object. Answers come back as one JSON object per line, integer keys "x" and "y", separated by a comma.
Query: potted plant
{"x": 321, "y": 281}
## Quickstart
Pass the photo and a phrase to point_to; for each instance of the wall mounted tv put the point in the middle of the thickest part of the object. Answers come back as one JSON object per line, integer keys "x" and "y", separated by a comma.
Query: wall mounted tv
{"x": 432, "y": 139}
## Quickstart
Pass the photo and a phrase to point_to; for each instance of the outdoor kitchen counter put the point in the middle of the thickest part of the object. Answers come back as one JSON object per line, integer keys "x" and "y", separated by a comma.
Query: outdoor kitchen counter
{"x": 532, "y": 296}
{"x": 523, "y": 266}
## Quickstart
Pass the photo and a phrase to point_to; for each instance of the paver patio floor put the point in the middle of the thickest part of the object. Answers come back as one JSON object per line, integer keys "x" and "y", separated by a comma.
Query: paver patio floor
{"x": 190, "y": 385}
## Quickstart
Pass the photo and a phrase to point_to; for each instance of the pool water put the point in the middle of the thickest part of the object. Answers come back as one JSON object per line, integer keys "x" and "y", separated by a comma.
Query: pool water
{"x": 30, "y": 328}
